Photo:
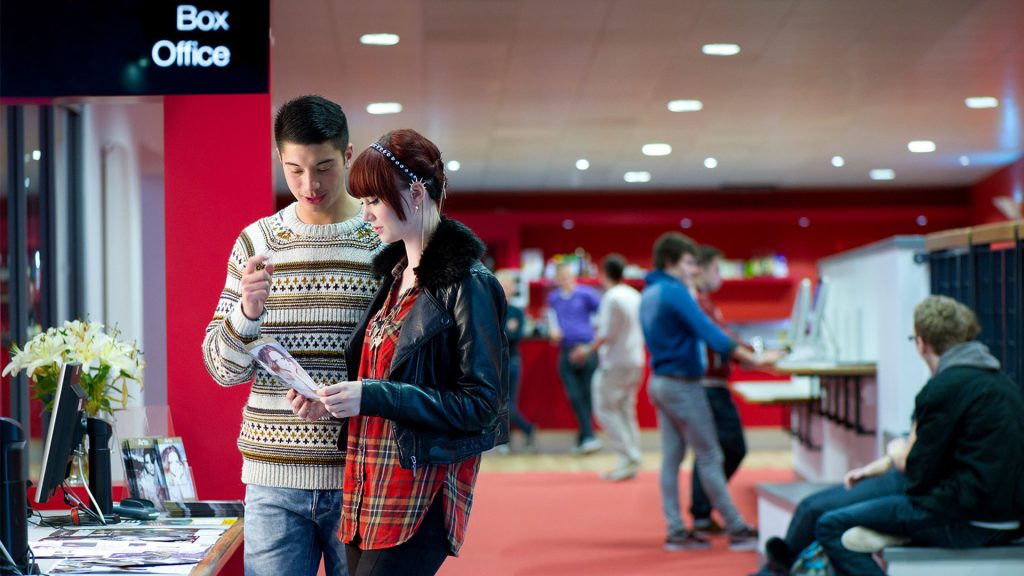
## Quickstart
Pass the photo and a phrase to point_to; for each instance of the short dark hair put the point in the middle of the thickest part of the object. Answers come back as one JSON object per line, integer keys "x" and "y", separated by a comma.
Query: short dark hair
{"x": 310, "y": 120}
{"x": 670, "y": 247}
{"x": 374, "y": 175}
{"x": 707, "y": 254}
{"x": 613, "y": 265}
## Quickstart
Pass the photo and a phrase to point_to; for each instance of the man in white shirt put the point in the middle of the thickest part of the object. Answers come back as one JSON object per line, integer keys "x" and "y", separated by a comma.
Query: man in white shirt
{"x": 620, "y": 348}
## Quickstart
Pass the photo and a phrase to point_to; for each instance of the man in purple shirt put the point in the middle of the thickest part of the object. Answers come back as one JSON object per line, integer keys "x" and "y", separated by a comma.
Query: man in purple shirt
{"x": 570, "y": 307}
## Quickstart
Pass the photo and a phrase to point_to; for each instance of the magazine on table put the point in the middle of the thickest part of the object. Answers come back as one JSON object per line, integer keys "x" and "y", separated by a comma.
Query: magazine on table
{"x": 157, "y": 470}
{"x": 180, "y": 486}
{"x": 279, "y": 362}
{"x": 144, "y": 471}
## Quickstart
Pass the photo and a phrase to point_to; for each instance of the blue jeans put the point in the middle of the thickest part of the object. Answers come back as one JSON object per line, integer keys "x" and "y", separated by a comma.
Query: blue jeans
{"x": 287, "y": 530}
{"x": 898, "y": 516}
{"x": 730, "y": 439}
{"x": 685, "y": 418}
{"x": 515, "y": 417}
{"x": 800, "y": 533}
{"x": 576, "y": 380}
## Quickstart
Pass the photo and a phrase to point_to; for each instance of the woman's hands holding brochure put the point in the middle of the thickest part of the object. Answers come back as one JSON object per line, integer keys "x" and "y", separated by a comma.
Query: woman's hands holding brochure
{"x": 341, "y": 400}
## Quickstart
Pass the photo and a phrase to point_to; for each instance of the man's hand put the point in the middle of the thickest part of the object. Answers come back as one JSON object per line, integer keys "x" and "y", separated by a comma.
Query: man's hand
{"x": 304, "y": 407}
{"x": 876, "y": 468}
{"x": 256, "y": 285}
{"x": 342, "y": 399}
{"x": 579, "y": 354}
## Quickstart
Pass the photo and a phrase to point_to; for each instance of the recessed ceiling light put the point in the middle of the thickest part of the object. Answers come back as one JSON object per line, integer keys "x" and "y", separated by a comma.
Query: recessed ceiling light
{"x": 454, "y": 165}
{"x": 568, "y": 224}
{"x": 582, "y": 164}
{"x": 686, "y": 223}
{"x": 720, "y": 49}
{"x": 882, "y": 174}
{"x": 804, "y": 221}
{"x": 965, "y": 161}
{"x": 656, "y": 149}
{"x": 710, "y": 162}
{"x": 921, "y": 146}
{"x": 922, "y": 220}
{"x": 838, "y": 161}
{"x": 638, "y": 176}
{"x": 981, "y": 102}
{"x": 685, "y": 105}
{"x": 379, "y": 39}
{"x": 36, "y": 155}
{"x": 384, "y": 108}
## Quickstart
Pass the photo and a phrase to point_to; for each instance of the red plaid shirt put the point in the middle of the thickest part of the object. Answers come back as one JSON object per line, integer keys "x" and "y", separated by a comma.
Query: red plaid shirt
{"x": 384, "y": 503}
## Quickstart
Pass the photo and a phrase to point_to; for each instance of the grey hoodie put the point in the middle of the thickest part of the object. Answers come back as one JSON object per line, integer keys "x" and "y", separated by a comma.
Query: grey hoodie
{"x": 973, "y": 354}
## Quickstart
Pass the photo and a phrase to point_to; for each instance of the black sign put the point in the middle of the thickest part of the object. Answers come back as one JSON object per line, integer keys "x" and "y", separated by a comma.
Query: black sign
{"x": 52, "y": 48}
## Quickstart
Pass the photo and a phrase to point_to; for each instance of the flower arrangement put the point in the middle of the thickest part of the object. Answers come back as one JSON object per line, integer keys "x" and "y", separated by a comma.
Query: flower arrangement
{"x": 107, "y": 363}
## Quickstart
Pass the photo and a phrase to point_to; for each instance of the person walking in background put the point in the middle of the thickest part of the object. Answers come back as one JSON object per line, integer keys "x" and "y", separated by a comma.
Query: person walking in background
{"x": 275, "y": 287}
{"x": 728, "y": 426}
{"x": 515, "y": 321}
{"x": 620, "y": 349}
{"x": 432, "y": 388}
{"x": 676, "y": 331}
{"x": 570, "y": 308}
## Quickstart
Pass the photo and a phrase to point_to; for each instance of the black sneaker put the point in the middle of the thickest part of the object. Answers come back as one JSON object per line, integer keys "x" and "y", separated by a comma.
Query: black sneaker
{"x": 683, "y": 540}
{"x": 778, "y": 553}
{"x": 707, "y": 527}
{"x": 744, "y": 538}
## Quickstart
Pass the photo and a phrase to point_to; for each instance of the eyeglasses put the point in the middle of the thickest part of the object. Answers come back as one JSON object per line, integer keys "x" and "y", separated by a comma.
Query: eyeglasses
{"x": 912, "y": 337}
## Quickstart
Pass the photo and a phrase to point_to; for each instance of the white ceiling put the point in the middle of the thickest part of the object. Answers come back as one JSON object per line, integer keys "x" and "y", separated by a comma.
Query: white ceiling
{"x": 518, "y": 90}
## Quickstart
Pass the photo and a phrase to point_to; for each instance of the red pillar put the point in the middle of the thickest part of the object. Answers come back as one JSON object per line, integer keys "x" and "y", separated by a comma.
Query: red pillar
{"x": 217, "y": 177}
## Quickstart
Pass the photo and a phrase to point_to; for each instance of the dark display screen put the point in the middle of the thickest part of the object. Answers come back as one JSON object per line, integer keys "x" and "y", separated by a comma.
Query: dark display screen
{"x": 51, "y": 48}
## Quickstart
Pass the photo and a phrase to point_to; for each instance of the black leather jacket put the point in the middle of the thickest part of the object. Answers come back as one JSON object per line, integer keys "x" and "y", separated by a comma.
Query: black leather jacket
{"x": 447, "y": 393}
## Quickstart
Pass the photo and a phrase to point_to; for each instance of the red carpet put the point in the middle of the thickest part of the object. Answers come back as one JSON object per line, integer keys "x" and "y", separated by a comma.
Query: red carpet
{"x": 572, "y": 523}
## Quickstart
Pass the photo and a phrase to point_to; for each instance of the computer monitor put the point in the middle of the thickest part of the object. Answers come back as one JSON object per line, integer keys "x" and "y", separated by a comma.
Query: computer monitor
{"x": 67, "y": 427}
{"x": 798, "y": 317}
{"x": 817, "y": 317}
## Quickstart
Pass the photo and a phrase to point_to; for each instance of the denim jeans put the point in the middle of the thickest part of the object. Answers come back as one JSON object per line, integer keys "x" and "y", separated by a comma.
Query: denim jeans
{"x": 730, "y": 439}
{"x": 898, "y": 516}
{"x": 287, "y": 530}
{"x": 800, "y": 533}
{"x": 515, "y": 417}
{"x": 684, "y": 417}
{"x": 576, "y": 380}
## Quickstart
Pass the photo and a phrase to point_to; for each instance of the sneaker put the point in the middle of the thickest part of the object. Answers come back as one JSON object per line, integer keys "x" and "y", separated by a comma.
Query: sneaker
{"x": 744, "y": 538}
{"x": 590, "y": 445}
{"x": 868, "y": 541}
{"x": 626, "y": 471}
{"x": 683, "y": 540}
{"x": 778, "y": 554}
{"x": 707, "y": 527}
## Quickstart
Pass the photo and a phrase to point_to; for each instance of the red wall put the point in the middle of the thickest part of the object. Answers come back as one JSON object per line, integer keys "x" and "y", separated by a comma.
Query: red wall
{"x": 743, "y": 225}
{"x": 217, "y": 181}
{"x": 1006, "y": 182}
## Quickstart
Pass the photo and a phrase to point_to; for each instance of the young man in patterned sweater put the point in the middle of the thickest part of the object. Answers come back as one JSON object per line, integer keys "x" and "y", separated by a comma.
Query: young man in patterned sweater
{"x": 302, "y": 276}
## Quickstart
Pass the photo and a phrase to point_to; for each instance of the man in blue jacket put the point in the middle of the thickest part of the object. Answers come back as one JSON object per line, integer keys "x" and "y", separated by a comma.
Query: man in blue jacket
{"x": 678, "y": 334}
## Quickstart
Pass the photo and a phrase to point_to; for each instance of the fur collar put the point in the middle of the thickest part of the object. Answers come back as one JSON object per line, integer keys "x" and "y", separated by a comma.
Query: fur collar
{"x": 449, "y": 255}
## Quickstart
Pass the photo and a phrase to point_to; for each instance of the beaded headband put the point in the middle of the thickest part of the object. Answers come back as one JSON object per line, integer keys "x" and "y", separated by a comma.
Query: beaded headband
{"x": 409, "y": 173}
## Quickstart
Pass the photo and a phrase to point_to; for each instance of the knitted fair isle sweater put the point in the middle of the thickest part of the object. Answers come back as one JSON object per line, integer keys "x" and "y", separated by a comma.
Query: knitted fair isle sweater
{"x": 321, "y": 284}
